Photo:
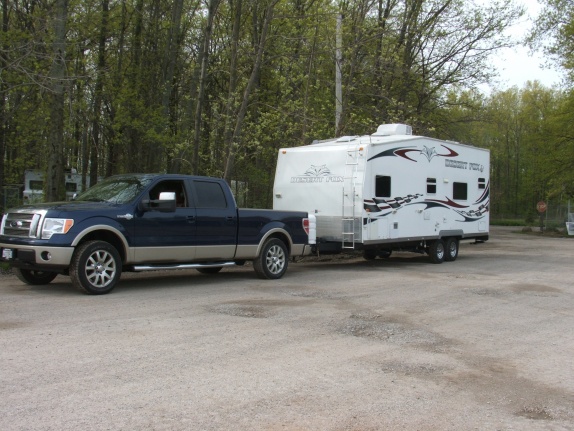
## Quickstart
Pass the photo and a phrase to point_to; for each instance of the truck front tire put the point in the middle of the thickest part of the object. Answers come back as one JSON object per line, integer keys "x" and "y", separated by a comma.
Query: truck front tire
{"x": 34, "y": 277}
{"x": 96, "y": 267}
{"x": 272, "y": 261}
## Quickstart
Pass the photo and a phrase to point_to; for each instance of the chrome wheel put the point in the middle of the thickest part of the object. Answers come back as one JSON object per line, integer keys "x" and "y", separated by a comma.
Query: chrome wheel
{"x": 100, "y": 268}
{"x": 275, "y": 259}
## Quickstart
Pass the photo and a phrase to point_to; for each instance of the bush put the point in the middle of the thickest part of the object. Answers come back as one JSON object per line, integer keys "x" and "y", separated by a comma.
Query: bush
{"x": 507, "y": 222}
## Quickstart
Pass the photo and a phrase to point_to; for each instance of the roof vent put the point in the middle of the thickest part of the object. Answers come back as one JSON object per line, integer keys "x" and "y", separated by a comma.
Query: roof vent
{"x": 393, "y": 129}
{"x": 346, "y": 138}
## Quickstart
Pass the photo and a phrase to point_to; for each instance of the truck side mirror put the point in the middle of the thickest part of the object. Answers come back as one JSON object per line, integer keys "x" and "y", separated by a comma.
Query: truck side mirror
{"x": 167, "y": 196}
{"x": 165, "y": 203}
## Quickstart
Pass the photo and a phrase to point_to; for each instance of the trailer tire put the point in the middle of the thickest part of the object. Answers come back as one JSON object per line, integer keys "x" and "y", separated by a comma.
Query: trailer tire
{"x": 96, "y": 267}
{"x": 369, "y": 254}
{"x": 436, "y": 251}
{"x": 451, "y": 248}
{"x": 385, "y": 254}
{"x": 273, "y": 260}
{"x": 34, "y": 277}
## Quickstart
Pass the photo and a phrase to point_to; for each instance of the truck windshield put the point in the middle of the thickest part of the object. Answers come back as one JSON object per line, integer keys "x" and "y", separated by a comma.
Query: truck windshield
{"x": 118, "y": 190}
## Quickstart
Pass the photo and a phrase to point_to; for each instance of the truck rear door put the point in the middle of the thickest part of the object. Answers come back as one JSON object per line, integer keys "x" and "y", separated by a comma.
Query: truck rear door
{"x": 216, "y": 220}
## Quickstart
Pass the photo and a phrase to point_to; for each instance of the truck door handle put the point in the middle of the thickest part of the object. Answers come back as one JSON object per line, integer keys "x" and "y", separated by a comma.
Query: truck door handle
{"x": 229, "y": 218}
{"x": 191, "y": 219}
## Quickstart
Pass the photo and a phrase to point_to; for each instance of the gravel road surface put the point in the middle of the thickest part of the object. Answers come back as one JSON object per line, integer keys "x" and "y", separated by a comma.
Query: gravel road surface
{"x": 483, "y": 343}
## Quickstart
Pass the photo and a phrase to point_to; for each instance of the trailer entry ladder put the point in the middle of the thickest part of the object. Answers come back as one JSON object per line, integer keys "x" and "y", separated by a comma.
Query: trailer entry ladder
{"x": 349, "y": 193}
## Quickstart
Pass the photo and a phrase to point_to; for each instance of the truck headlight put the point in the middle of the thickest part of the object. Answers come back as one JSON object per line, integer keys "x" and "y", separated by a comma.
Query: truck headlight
{"x": 56, "y": 225}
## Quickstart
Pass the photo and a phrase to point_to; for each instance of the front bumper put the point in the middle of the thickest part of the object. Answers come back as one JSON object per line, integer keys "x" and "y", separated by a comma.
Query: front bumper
{"x": 36, "y": 256}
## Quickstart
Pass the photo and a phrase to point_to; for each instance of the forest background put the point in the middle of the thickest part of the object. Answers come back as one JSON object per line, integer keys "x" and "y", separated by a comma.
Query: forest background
{"x": 215, "y": 87}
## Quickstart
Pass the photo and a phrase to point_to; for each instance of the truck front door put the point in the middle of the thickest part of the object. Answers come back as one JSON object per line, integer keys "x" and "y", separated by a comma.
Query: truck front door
{"x": 166, "y": 236}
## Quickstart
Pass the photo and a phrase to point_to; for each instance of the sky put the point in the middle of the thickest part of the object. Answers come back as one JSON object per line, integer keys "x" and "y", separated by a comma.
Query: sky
{"x": 518, "y": 65}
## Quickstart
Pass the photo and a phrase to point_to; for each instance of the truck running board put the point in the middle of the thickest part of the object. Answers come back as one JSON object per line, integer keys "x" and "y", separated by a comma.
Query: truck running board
{"x": 138, "y": 268}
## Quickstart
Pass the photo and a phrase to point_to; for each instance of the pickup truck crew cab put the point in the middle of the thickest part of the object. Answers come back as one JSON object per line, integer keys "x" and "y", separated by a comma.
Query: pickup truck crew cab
{"x": 138, "y": 222}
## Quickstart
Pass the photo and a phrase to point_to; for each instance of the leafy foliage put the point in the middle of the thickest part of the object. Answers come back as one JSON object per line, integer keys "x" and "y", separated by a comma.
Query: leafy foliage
{"x": 216, "y": 87}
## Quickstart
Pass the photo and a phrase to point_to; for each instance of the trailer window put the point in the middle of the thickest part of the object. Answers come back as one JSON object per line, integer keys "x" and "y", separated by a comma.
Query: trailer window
{"x": 71, "y": 187}
{"x": 382, "y": 186}
{"x": 431, "y": 185}
{"x": 36, "y": 185}
{"x": 459, "y": 191}
{"x": 481, "y": 183}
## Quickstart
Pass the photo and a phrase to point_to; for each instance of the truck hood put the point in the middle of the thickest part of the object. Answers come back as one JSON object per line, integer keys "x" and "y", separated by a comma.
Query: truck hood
{"x": 70, "y": 206}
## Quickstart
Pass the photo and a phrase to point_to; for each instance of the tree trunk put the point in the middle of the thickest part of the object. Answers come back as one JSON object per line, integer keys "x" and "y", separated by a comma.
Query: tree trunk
{"x": 213, "y": 4}
{"x": 97, "y": 115}
{"x": 55, "y": 189}
{"x": 3, "y": 119}
{"x": 228, "y": 130}
{"x": 235, "y": 139}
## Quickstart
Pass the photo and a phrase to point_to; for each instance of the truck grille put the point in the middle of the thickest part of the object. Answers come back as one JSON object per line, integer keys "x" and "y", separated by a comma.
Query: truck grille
{"x": 21, "y": 224}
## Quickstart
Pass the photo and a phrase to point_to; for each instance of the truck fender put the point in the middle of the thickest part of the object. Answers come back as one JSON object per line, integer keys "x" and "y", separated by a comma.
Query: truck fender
{"x": 99, "y": 227}
{"x": 275, "y": 232}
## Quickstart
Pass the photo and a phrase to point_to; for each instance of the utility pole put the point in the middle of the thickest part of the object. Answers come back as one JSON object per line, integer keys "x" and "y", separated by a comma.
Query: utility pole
{"x": 338, "y": 85}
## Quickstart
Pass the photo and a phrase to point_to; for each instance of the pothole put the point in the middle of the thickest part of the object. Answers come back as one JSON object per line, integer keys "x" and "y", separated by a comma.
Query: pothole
{"x": 390, "y": 329}
{"x": 535, "y": 413}
{"x": 242, "y": 310}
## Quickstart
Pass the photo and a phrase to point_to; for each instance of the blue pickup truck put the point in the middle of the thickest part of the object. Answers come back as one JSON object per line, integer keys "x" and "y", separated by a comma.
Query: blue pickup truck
{"x": 142, "y": 222}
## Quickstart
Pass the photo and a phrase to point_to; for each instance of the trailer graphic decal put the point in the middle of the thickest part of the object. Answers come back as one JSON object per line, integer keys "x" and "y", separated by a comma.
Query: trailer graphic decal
{"x": 318, "y": 171}
{"x": 379, "y": 208}
{"x": 403, "y": 152}
{"x": 317, "y": 174}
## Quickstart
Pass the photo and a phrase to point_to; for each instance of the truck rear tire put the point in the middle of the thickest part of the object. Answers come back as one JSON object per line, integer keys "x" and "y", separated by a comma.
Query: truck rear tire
{"x": 34, "y": 277}
{"x": 272, "y": 261}
{"x": 96, "y": 267}
{"x": 436, "y": 251}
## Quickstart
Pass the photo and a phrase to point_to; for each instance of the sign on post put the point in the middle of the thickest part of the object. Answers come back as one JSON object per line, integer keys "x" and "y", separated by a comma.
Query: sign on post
{"x": 541, "y": 206}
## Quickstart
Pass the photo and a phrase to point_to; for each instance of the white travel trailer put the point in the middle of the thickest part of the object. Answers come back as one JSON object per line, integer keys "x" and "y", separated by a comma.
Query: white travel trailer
{"x": 34, "y": 185}
{"x": 388, "y": 191}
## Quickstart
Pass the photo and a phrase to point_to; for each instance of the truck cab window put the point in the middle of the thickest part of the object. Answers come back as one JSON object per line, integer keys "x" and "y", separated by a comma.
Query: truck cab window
{"x": 382, "y": 186}
{"x": 459, "y": 191}
{"x": 175, "y": 186}
{"x": 209, "y": 195}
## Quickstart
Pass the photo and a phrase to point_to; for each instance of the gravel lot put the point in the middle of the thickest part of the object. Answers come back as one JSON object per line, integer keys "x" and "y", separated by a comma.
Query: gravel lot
{"x": 483, "y": 343}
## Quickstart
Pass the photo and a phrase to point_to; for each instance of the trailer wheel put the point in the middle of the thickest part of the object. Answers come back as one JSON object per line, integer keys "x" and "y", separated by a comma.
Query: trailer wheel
{"x": 436, "y": 251}
{"x": 272, "y": 261}
{"x": 385, "y": 254}
{"x": 210, "y": 270}
{"x": 451, "y": 250}
{"x": 369, "y": 254}
{"x": 96, "y": 267}
{"x": 34, "y": 277}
